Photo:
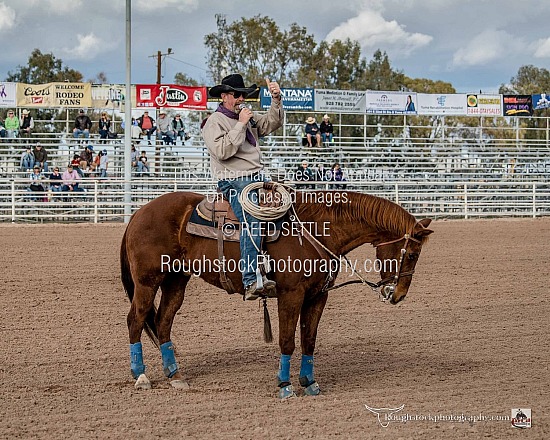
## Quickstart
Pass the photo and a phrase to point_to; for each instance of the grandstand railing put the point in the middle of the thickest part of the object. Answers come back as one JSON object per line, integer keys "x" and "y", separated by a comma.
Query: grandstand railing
{"x": 104, "y": 200}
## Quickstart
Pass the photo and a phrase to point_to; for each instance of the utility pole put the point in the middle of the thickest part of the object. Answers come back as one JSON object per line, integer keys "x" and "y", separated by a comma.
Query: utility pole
{"x": 159, "y": 56}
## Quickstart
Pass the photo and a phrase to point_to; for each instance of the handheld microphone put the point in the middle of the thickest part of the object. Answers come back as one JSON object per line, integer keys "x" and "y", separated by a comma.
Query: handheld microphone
{"x": 251, "y": 120}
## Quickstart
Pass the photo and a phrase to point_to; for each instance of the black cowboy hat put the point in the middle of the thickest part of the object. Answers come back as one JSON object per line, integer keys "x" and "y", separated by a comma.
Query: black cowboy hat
{"x": 232, "y": 83}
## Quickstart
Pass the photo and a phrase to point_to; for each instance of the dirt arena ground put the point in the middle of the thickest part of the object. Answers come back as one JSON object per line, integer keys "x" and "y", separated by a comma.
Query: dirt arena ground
{"x": 470, "y": 342}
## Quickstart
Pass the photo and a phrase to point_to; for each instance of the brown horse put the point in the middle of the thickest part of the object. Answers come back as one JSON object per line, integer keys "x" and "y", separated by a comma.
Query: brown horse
{"x": 157, "y": 251}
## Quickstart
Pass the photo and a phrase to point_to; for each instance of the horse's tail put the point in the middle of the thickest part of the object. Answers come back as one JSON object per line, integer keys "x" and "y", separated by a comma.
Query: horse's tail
{"x": 128, "y": 283}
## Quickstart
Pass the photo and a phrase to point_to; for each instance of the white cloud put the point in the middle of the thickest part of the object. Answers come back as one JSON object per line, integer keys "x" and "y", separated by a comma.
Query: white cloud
{"x": 542, "y": 48}
{"x": 7, "y": 17}
{"x": 88, "y": 47}
{"x": 486, "y": 47}
{"x": 62, "y": 7}
{"x": 152, "y": 5}
{"x": 373, "y": 31}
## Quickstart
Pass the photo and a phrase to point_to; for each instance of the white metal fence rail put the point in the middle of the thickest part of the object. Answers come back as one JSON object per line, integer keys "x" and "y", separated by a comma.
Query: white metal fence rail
{"x": 103, "y": 200}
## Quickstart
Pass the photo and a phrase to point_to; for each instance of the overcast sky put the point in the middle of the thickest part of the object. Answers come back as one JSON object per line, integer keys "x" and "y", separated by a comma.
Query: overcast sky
{"x": 473, "y": 44}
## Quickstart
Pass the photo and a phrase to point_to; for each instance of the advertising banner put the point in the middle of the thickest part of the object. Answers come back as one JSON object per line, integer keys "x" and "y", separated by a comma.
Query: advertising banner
{"x": 340, "y": 101}
{"x": 391, "y": 103}
{"x": 540, "y": 101}
{"x": 484, "y": 105}
{"x": 293, "y": 99}
{"x": 171, "y": 96}
{"x": 517, "y": 105}
{"x": 53, "y": 95}
{"x": 442, "y": 104}
{"x": 8, "y": 94}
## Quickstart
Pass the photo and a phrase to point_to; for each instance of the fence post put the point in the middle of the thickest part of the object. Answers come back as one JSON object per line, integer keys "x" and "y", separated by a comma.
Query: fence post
{"x": 96, "y": 184}
{"x": 534, "y": 200}
{"x": 465, "y": 201}
{"x": 13, "y": 201}
{"x": 397, "y": 193}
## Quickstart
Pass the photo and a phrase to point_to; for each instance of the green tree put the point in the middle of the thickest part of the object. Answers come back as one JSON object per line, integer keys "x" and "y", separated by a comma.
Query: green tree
{"x": 43, "y": 68}
{"x": 257, "y": 48}
{"x": 185, "y": 80}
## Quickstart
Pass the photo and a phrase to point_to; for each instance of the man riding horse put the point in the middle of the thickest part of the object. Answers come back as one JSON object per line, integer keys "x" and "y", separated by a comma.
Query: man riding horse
{"x": 231, "y": 135}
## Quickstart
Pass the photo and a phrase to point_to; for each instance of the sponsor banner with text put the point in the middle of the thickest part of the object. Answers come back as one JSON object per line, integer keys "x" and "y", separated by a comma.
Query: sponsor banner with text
{"x": 340, "y": 101}
{"x": 442, "y": 104}
{"x": 484, "y": 105}
{"x": 171, "y": 96}
{"x": 541, "y": 101}
{"x": 52, "y": 95}
{"x": 517, "y": 105}
{"x": 390, "y": 103}
{"x": 293, "y": 99}
{"x": 7, "y": 94}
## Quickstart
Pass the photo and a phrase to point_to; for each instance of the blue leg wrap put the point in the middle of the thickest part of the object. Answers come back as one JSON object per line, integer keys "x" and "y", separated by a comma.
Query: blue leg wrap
{"x": 284, "y": 370}
{"x": 136, "y": 360}
{"x": 306, "y": 371}
{"x": 168, "y": 359}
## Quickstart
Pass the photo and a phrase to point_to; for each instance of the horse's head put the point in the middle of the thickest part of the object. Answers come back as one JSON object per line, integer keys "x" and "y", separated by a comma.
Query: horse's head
{"x": 398, "y": 257}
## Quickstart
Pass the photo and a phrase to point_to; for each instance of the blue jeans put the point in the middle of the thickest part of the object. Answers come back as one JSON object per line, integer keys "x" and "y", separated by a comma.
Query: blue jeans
{"x": 326, "y": 136}
{"x": 77, "y": 132}
{"x": 231, "y": 189}
{"x": 45, "y": 165}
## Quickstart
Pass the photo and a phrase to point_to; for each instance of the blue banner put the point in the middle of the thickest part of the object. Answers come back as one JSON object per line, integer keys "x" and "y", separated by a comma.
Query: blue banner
{"x": 540, "y": 101}
{"x": 293, "y": 99}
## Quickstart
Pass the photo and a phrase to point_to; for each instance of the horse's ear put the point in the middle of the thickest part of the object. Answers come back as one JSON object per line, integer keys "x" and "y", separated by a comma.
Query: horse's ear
{"x": 421, "y": 228}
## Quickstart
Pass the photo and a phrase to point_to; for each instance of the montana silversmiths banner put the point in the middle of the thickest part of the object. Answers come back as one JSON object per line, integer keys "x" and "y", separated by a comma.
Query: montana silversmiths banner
{"x": 171, "y": 96}
{"x": 340, "y": 101}
{"x": 540, "y": 101}
{"x": 293, "y": 99}
{"x": 484, "y": 105}
{"x": 8, "y": 92}
{"x": 517, "y": 105}
{"x": 390, "y": 103}
{"x": 442, "y": 104}
{"x": 53, "y": 95}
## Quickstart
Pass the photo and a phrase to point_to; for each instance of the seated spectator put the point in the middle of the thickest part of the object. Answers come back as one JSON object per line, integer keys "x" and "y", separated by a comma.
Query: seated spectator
{"x": 70, "y": 180}
{"x": 136, "y": 131}
{"x": 56, "y": 180}
{"x": 27, "y": 159}
{"x": 134, "y": 156}
{"x": 147, "y": 125}
{"x": 312, "y": 131}
{"x": 326, "y": 129}
{"x": 321, "y": 173}
{"x": 179, "y": 129}
{"x": 3, "y": 132}
{"x": 87, "y": 159}
{"x": 164, "y": 127}
{"x": 82, "y": 125}
{"x": 36, "y": 177}
{"x": 11, "y": 123}
{"x": 143, "y": 165}
{"x": 104, "y": 127}
{"x": 337, "y": 175}
{"x": 304, "y": 174}
{"x": 26, "y": 124}
{"x": 103, "y": 163}
{"x": 76, "y": 164}
{"x": 40, "y": 157}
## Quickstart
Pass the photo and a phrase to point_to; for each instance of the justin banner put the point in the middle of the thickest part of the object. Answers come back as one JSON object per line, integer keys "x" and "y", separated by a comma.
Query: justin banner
{"x": 7, "y": 94}
{"x": 52, "y": 95}
{"x": 171, "y": 96}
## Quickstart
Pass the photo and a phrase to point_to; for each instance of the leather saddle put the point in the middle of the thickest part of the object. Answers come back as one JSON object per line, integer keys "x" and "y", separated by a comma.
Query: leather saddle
{"x": 213, "y": 215}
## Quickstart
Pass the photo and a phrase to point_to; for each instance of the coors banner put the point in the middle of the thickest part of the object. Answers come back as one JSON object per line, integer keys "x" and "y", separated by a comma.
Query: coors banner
{"x": 58, "y": 94}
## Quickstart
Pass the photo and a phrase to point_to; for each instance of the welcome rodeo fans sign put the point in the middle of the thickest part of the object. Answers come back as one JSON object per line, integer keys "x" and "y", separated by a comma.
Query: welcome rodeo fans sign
{"x": 57, "y": 94}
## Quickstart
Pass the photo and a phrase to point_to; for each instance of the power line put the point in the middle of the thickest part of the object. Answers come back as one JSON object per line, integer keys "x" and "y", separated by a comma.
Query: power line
{"x": 189, "y": 64}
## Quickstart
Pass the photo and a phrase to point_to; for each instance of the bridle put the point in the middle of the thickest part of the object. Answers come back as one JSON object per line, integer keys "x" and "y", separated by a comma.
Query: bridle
{"x": 386, "y": 287}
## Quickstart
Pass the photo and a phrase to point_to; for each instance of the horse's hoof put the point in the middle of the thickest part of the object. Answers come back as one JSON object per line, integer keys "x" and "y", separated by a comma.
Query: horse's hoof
{"x": 142, "y": 383}
{"x": 179, "y": 384}
{"x": 286, "y": 392}
{"x": 312, "y": 390}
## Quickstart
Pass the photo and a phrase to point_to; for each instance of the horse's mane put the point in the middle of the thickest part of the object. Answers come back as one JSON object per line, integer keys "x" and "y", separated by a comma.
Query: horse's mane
{"x": 380, "y": 213}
